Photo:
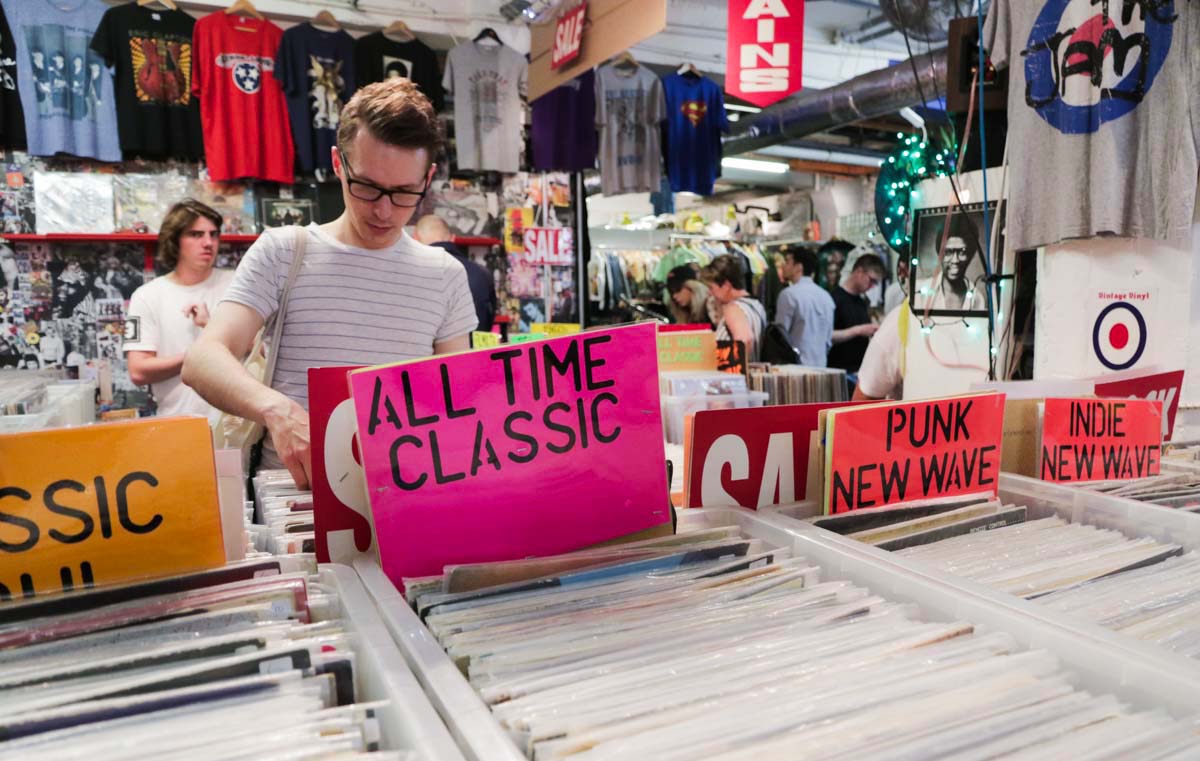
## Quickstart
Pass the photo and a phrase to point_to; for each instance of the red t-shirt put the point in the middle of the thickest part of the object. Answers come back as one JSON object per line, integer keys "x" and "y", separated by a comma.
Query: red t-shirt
{"x": 242, "y": 108}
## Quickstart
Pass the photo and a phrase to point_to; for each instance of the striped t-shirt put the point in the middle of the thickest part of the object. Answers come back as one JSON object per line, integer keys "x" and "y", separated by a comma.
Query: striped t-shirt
{"x": 351, "y": 306}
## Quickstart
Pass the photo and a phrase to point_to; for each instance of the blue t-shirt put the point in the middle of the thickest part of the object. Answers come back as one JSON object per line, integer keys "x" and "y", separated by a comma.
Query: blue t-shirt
{"x": 695, "y": 120}
{"x": 316, "y": 70}
{"x": 66, "y": 89}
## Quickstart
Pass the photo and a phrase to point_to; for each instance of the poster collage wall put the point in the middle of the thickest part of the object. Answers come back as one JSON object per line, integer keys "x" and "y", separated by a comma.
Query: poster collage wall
{"x": 64, "y": 304}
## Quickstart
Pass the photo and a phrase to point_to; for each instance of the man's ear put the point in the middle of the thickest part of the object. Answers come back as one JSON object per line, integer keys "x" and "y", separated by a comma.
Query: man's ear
{"x": 429, "y": 175}
{"x": 336, "y": 157}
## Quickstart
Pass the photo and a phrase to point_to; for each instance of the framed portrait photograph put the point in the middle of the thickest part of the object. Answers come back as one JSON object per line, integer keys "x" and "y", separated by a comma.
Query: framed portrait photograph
{"x": 281, "y": 212}
{"x": 958, "y": 287}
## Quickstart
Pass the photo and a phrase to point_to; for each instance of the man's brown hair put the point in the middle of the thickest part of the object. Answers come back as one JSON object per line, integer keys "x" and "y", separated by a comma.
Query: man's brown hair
{"x": 726, "y": 268}
{"x": 181, "y": 217}
{"x": 394, "y": 111}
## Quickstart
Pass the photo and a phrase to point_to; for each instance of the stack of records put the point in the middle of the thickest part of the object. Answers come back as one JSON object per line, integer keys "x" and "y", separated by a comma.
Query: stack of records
{"x": 712, "y": 646}
{"x": 284, "y": 522}
{"x": 1176, "y": 490}
{"x": 241, "y": 662}
{"x": 794, "y": 384}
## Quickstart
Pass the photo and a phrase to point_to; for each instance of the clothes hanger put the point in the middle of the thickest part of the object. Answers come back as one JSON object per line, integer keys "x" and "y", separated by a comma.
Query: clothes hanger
{"x": 326, "y": 19}
{"x": 488, "y": 33}
{"x": 168, "y": 4}
{"x": 399, "y": 31}
{"x": 246, "y": 7}
{"x": 689, "y": 70}
{"x": 626, "y": 59}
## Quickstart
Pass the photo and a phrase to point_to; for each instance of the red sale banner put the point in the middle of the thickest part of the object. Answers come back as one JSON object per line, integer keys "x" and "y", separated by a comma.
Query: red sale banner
{"x": 1100, "y": 439}
{"x": 549, "y": 245}
{"x": 764, "y": 49}
{"x": 568, "y": 36}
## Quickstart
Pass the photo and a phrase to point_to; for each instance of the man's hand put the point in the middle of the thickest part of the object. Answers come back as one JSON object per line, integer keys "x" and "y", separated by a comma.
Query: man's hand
{"x": 287, "y": 425}
{"x": 197, "y": 313}
{"x": 867, "y": 329}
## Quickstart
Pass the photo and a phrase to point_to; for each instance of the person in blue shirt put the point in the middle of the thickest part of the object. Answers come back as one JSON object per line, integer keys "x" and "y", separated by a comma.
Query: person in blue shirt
{"x": 432, "y": 230}
{"x": 805, "y": 310}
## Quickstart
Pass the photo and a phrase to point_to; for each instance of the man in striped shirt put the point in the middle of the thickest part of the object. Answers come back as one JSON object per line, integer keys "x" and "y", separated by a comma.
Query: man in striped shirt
{"x": 366, "y": 292}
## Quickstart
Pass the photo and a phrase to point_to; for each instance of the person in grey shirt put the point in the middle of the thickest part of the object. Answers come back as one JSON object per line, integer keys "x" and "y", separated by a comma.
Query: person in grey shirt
{"x": 805, "y": 309}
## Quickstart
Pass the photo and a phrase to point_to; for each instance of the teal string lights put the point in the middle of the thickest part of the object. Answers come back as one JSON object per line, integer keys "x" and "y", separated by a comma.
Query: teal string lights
{"x": 915, "y": 159}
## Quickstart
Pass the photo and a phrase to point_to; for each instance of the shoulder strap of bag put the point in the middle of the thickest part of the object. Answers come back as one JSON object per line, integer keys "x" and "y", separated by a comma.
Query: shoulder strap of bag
{"x": 300, "y": 245}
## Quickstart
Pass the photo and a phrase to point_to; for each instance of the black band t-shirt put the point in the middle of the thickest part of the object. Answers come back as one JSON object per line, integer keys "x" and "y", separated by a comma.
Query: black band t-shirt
{"x": 849, "y": 310}
{"x": 151, "y": 51}
{"x": 376, "y": 58}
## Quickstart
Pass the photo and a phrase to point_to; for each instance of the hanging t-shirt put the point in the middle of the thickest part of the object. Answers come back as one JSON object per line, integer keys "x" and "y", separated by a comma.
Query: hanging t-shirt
{"x": 150, "y": 51}
{"x": 488, "y": 82}
{"x": 695, "y": 120}
{"x": 242, "y": 108}
{"x": 12, "y": 116}
{"x": 1101, "y": 100}
{"x": 629, "y": 110}
{"x": 564, "y": 127}
{"x": 378, "y": 57}
{"x": 316, "y": 69}
{"x": 66, "y": 93}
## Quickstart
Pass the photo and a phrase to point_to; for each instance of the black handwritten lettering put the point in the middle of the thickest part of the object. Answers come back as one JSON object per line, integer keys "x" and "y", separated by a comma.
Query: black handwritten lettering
{"x": 413, "y": 420}
{"x": 33, "y": 533}
{"x": 894, "y": 481}
{"x": 525, "y": 438}
{"x": 984, "y": 464}
{"x": 895, "y": 424}
{"x": 557, "y": 427}
{"x": 534, "y": 380}
{"x": 123, "y": 516}
{"x": 375, "y": 421}
{"x": 85, "y": 520}
{"x": 102, "y": 508}
{"x": 397, "y": 478}
{"x": 510, "y": 384}
{"x": 482, "y": 443}
{"x": 568, "y": 364}
{"x": 439, "y": 476}
{"x": 603, "y": 438}
{"x": 583, "y": 423}
{"x": 591, "y": 365}
{"x": 451, "y": 412}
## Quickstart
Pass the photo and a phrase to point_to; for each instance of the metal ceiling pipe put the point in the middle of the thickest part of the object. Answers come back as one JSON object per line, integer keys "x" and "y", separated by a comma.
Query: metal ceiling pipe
{"x": 874, "y": 94}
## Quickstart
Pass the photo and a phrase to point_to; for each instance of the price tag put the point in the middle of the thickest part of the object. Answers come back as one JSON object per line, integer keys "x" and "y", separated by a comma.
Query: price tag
{"x": 556, "y": 329}
{"x": 884, "y": 454}
{"x": 512, "y": 452}
{"x": 484, "y": 340}
{"x": 1100, "y": 439}
{"x": 108, "y": 503}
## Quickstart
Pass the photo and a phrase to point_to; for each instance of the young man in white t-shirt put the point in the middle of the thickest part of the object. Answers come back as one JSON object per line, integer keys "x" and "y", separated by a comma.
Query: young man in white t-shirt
{"x": 167, "y": 314}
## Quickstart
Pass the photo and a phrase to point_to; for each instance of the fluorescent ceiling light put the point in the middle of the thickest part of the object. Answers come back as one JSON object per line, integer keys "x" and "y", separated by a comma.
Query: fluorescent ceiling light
{"x": 833, "y": 156}
{"x": 754, "y": 165}
{"x": 747, "y": 109}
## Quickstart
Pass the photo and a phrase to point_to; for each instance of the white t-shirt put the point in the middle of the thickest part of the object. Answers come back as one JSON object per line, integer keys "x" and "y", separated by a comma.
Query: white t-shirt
{"x": 156, "y": 323}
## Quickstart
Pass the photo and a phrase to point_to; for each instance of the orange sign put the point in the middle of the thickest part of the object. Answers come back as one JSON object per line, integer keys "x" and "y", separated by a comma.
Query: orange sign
{"x": 687, "y": 350}
{"x": 883, "y": 454}
{"x": 1100, "y": 439}
{"x": 107, "y": 503}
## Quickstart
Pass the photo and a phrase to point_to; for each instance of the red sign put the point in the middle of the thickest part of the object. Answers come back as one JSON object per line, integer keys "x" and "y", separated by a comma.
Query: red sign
{"x": 568, "y": 36}
{"x": 1100, "y": 439}
{"x": 764, "y": 50}
{"x": 752, "y": 457}
{"x": 341, "y": 511}
{"x": 549, "y": 245}
{"x": 898, "y": 452}
{"x": 1165, "y": 387}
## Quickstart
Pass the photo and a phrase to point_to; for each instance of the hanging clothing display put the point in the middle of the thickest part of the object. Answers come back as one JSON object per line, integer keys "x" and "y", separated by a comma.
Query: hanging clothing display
{"x": 150, "y": 53}
{"x": 378, "y": 57}
{"x": 316, "y": 69}
{"x": 12, "y": 115}
{"x": 1107, "y": 134}
{"x": 488, "y": 82}
{"x": 695, "y": 120}
{"x": 564, "y": 127}
{"x": 242, "y": 108}
{"x": 65, "y": 91}
{"x": 629, "y": 110}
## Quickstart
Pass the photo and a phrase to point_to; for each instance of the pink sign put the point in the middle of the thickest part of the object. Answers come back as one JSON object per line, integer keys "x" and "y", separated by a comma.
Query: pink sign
{"x": 511, "y": 452}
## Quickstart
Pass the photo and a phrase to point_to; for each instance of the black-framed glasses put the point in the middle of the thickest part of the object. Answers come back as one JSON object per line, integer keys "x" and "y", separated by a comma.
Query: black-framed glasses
{"x": 369, "y": 191}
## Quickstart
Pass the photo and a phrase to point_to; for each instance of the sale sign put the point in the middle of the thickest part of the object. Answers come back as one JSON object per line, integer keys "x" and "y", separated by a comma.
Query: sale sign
{"x": 341, "y": 513}
{"x": 1100, "y": 439}
{"x": 549, "y": 245}
{"x": 884, "y": 454}
{"x": 103, "y": 504}
{"x": 513, "y": 452}
{"x": 690, "y": 350}
{"x": 752, "y": 457}
{"x": 568, "y": 36}
{"x": 1165, "y": 387}
{"x": 764, "y": 49}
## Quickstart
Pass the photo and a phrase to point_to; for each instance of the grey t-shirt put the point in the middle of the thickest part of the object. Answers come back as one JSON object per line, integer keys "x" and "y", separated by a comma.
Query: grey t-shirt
{"x": 1102, "y": 117}
{"x": 352, "y": 306}
{"x": 805, "y": 312}
{"x": 629, "y": 111}
{"x": 488, "y": 82}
